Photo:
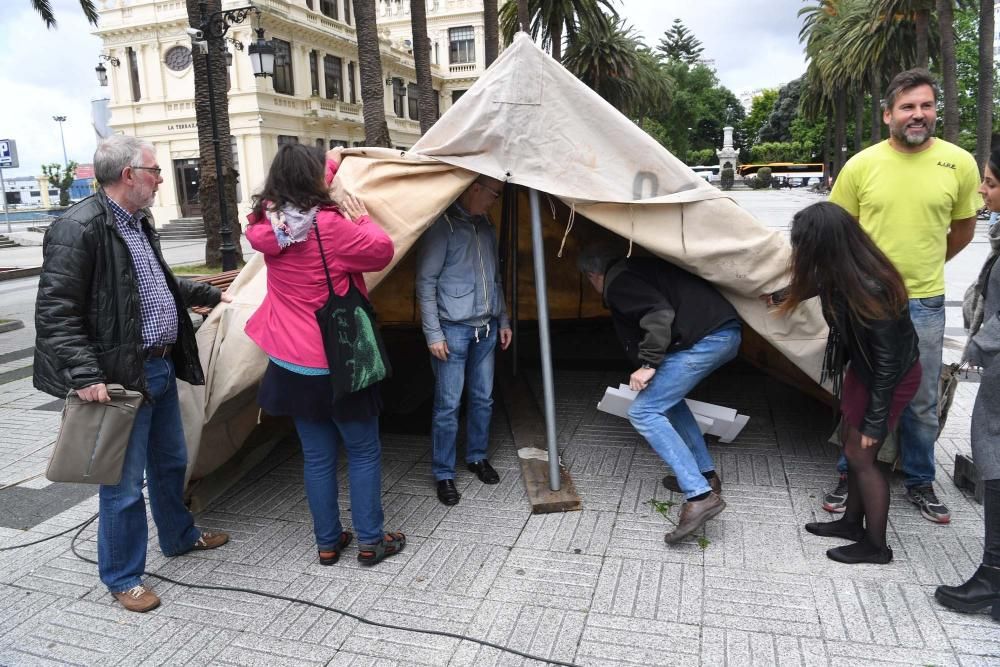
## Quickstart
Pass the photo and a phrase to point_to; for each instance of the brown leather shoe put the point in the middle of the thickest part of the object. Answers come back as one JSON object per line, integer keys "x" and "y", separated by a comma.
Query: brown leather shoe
{"x": 694, "y": 514}
{"x": 670, "y": 482}
{"x": 209, "y": 540}
{"x": 139, "y": 599}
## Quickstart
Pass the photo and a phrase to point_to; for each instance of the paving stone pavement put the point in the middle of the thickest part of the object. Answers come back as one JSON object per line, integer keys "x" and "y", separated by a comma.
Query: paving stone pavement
{"x": 596, "y": 587}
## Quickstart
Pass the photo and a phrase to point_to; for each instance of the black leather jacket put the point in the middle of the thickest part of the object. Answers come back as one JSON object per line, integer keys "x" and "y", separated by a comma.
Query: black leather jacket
{"x": 87, "y": 318}
{"x": 881, "y": 352}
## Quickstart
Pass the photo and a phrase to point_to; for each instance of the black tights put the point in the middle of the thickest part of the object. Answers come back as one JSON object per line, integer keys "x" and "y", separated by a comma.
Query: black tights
{"x": 867, "y": 487}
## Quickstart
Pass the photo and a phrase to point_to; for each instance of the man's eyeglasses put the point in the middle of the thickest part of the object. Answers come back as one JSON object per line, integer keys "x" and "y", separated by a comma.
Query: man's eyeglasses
{"x": 155, "y": 170}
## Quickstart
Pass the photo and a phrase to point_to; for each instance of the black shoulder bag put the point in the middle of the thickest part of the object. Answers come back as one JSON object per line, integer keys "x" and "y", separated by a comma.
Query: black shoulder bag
{"x": 351, "y": 339}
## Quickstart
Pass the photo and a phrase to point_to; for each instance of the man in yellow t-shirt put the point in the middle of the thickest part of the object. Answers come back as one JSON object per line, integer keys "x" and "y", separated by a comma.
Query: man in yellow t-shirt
{"x": 916, "y": 196}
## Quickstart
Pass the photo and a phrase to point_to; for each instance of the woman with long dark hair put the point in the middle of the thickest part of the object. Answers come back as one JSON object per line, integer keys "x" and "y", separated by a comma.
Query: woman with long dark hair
{"x": 982, "y": 318}
{"x": 865, "y": 304}
{"x": 288, "y": 214}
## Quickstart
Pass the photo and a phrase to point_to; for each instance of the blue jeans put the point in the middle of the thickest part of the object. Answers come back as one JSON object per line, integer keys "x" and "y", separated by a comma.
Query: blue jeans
{"x": 156, "y": 448}
{"x": 661, "y": 416}
{"x": 320, "y": 441}
{"x": 918, "y": 424}
{"x": 469, "y": 366}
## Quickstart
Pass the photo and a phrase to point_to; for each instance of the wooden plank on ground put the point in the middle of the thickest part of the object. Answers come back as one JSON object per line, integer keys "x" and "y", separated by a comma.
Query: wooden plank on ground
{"x": 527, "y": 424}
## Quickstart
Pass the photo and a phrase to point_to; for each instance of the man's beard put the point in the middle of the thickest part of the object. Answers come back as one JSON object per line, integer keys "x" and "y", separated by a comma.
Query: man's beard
{"x": 900, "y": 134}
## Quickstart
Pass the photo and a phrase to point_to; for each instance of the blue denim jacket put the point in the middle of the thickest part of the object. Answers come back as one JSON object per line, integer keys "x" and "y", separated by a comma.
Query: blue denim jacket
{"x": 458, "y": 276}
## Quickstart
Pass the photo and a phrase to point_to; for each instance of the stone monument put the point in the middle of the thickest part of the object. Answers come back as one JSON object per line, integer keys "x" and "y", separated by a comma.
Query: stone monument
{"x": 728, "y": 155}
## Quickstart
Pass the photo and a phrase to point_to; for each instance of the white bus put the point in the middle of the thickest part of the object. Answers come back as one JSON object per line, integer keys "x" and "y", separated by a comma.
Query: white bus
{"x": 710, "y": 174}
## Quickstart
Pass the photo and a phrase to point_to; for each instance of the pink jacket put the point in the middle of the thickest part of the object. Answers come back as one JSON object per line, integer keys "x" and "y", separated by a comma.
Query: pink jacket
{"x": 284, "y": 325}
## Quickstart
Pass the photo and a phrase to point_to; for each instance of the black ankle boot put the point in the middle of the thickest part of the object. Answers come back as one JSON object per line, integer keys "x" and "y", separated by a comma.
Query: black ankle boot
{"x": 980, "y": 592}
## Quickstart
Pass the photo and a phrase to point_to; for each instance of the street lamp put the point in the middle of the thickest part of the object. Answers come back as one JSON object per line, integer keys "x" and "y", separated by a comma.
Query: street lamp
{"x": 61, "y": 120}
{"x": 214, "y": 28}
{"x": 102, "y": 71}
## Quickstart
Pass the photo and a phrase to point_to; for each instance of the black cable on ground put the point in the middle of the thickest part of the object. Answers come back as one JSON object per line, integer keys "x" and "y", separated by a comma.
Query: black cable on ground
{"x": 361, "y": 619}
{"x": 440, "y": 633}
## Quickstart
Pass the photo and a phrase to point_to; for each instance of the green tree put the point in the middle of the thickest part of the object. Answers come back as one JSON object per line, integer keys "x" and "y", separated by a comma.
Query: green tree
{"x": 679, "y": 43}
{"x": 553, "y": 19}
{"x": 984, "y": 119}
{"x": 44, "y": 8}
{"x": 760, "y": 111}
{"x": 61, "y": 179}
{"x": 611, "y": 58}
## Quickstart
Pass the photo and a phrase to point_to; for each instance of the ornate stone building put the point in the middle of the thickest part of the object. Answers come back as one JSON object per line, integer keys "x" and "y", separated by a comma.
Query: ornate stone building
{"x": 313, "y": 97}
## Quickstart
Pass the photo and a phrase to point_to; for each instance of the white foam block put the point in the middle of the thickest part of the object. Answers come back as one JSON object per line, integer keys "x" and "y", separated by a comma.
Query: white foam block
{"x": 734, "y": 429}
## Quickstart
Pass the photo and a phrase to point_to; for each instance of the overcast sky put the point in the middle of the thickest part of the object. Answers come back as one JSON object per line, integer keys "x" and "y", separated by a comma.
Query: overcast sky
{"x": 44, "y": 73}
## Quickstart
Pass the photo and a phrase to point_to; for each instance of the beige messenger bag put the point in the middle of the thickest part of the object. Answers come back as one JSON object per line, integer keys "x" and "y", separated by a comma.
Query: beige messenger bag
{"x": 93, "y": 438}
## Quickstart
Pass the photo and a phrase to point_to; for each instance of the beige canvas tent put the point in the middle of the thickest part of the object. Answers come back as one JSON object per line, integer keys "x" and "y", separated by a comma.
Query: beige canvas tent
{"x": 527, "y": 121}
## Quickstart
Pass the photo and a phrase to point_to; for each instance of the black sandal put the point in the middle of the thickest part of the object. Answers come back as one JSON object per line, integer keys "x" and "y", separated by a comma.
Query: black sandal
{"x": 390, "y": 545}
{"x": 331, "y": 556}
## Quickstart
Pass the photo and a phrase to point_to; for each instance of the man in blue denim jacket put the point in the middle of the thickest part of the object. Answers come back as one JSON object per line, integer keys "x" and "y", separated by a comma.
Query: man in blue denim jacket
{"x": 463, "y": 314}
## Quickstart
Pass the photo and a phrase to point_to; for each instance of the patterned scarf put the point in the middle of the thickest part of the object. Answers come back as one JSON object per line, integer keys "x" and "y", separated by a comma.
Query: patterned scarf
{"x": 291, "y": 225}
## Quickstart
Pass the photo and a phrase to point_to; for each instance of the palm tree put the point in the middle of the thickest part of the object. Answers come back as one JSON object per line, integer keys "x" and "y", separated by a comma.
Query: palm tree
{"x": 44, "y": 7}
{"x": 604, "y": 57}
{"x": 370, "y": 71}
{"x": 491, "y": 30}
{"x": 949, "y": 71}
{"x": 523, "y": 15}
{"x": 208, "y": 189}
{"x": 427, "y": 110}
{"x": 984, "y": 120}
{"x": 551, "y": 19}
{"x": 916, "y": 11}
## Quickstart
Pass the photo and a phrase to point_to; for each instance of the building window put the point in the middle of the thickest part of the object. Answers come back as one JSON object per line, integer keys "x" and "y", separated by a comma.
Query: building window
{"x": 456, "y": 95}
{"x": 283, "y": 82}
{"x": 350, "y": 83}
{"x": 337, "y": 143}
{"x": 314, "y": 71}
{"x": 309, "y": 4}
{"x": 236, "y": 169}
{"x": 398, "y": 96}
{"x": 347, "y": 12}
{"x": 333, "y": 76}
{"x": 287, "y": 139}
{"x": 413, "y": 96}
{"x": 328, "y": 8}
{"x": 133, "y": 72}
{"x": 462, "y": 45}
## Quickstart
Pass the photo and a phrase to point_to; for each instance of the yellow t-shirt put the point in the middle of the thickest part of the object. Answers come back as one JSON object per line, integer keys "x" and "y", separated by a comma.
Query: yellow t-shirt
{"x": 907, "y": 202}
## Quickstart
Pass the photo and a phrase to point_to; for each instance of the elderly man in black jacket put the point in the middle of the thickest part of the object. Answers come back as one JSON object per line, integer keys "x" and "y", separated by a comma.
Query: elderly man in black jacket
{"x": 110, "y": 311}
{"x": 676, "y": 329}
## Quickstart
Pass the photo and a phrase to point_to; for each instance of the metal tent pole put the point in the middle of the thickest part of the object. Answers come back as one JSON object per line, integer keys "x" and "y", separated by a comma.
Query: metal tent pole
{"x": 541, "y": 297}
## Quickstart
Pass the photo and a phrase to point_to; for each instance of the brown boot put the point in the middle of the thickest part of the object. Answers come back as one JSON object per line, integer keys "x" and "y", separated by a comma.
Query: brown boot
{"x": 670, "y": 482}
{"x": 694, "y": 514}
{"x": 138, "y": 598}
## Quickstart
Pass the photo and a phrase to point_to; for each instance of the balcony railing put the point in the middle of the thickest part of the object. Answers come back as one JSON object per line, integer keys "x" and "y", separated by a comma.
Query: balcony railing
{"x": 462, "y": 67}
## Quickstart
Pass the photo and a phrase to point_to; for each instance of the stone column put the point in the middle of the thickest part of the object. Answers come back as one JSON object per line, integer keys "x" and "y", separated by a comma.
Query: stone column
{"x": 43, "y": 190}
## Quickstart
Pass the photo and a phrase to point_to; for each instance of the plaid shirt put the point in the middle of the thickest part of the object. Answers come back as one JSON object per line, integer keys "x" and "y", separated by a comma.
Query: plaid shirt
{"x": 157, "y": 309}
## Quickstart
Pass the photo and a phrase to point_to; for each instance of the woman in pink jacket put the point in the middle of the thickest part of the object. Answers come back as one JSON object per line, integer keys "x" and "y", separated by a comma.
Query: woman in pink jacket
{"x": 292, "y": 208}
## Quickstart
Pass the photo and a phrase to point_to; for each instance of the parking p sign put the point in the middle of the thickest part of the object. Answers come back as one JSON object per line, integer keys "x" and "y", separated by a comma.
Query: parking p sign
{"x": 8, "y": 154}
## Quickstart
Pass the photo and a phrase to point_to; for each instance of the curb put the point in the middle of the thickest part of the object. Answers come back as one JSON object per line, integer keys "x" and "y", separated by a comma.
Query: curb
{"x": 11, "y": 325}
{"x": 11, "y": 274}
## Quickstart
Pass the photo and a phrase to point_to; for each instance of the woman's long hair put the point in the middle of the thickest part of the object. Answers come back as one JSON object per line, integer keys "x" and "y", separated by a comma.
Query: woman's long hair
{"x": 298, "y": 177}
{"x": 831, "y": 253}
{"x": 994, "y": 163}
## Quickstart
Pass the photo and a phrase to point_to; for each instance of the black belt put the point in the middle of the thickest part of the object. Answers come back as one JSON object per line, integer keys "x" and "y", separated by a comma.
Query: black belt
{"x": 159, "y": 352}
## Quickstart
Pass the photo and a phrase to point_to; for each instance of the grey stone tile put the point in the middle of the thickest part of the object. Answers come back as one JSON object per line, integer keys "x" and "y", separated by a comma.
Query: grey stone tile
{"x": 562, "y": 581}
{"x": 483, "y": 522}
{"x": 266, "y": 651}
{"x": 637, "y": 534}
{"x": 454, "y": 567}
{"x": 650, "y": 590}
{"x": 857, "y": 653}
{"x": 586, "y": 532}
{"x": 760, "y": 601}
{"x": 535, "y": 630}
{"x": 619, "y": 640}
{"x": 400, "y": 647}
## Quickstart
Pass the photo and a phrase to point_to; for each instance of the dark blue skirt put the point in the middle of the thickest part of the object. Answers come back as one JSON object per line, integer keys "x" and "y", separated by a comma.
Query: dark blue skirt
{"x": 284, "y": 393}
